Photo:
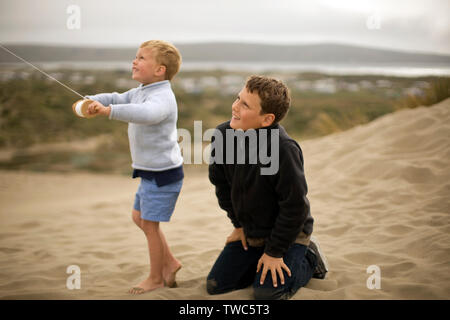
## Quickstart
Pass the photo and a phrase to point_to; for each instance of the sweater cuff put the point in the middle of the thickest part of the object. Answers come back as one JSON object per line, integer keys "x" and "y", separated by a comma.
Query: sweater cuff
{"x": 236, "y": 224}
{"x": 234, "y": 221}
{"x": 273, "y": 252}
{"x": 111, "y": 113}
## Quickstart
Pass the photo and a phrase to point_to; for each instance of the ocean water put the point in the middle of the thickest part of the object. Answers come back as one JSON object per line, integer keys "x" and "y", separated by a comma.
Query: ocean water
{"x": 336, "y": 69}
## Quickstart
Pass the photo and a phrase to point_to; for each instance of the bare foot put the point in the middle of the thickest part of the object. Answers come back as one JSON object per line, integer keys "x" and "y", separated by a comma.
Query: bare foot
{"x": 170, "y": 273}
{"x": 145, "y": 286}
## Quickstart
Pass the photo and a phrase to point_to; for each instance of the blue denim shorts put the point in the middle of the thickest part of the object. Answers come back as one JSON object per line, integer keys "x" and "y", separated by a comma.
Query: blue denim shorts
{"x": 156, "y": 203}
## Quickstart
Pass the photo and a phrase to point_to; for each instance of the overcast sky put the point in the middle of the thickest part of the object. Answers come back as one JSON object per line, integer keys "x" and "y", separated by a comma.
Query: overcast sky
{"x": 410, "y": 25}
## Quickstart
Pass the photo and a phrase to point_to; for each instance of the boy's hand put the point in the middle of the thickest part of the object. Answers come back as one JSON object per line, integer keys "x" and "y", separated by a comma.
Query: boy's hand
{"x": 236, "y": 235}
{"x": 275, "y": 265}
{"x": 98, "y": 109}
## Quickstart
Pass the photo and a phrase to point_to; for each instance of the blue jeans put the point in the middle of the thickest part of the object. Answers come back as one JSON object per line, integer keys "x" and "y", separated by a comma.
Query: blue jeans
{"x": 235, "y": 268}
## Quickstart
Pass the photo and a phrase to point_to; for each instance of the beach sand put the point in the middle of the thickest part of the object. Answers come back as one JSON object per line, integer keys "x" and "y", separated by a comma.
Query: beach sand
{"x": 379, "y": 195}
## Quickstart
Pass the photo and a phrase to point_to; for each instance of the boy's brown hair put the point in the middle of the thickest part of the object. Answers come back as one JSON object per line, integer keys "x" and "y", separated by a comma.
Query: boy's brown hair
{"x": 274, "y": 95}
{"x": 166, "y": 54}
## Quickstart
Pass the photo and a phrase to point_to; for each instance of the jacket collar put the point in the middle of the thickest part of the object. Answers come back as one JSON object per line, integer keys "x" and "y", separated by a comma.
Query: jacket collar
{"x": 272, "y": 126}
{"x": 155, "y": 85}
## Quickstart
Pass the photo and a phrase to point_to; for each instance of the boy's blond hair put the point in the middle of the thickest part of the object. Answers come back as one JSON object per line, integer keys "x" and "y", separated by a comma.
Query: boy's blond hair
{"x": 166, "y": 54}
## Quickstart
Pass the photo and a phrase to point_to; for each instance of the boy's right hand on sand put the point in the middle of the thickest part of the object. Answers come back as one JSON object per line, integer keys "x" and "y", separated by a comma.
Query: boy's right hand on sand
{"x": 236, "y": 235}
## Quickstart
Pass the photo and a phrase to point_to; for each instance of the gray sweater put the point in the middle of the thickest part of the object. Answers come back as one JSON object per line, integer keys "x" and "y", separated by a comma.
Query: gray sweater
{"x": 151, "y": 113}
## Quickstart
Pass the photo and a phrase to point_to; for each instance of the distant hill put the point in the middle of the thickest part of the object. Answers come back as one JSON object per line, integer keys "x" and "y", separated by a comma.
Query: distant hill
{"x": 210, "y": 52}
{"x": 328, "y": 53}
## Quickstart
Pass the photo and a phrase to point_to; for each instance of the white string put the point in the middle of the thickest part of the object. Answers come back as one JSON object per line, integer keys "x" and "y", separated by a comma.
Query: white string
{"x": 41, "y": 71}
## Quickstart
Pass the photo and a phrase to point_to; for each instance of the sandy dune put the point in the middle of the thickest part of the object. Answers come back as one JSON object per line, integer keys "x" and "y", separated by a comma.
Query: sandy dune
{"x": 379, "y": 196}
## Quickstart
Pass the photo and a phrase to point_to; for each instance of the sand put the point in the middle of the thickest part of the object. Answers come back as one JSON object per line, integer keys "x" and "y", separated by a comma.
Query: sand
{"x": 379, "y": 195}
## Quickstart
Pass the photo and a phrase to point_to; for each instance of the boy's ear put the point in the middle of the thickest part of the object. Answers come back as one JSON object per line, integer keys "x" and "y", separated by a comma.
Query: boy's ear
{"x": 161, "y": 70}
{"x": 268, "y": 119}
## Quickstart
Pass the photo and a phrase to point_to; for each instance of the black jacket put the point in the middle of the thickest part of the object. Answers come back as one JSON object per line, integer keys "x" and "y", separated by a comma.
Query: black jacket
{"x": 273, "y": 207}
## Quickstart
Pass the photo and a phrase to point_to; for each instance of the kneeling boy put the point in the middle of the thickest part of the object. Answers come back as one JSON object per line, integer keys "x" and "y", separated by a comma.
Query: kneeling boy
{"x": 271, "y": 244}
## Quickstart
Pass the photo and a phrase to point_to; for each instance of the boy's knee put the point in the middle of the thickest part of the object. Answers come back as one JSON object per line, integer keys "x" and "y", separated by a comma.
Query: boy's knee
{"x": 261, "y": 293}
{"x": 136, "y": 217}
{"x": 211, "y": 286}
{"x": 150, "y": 226}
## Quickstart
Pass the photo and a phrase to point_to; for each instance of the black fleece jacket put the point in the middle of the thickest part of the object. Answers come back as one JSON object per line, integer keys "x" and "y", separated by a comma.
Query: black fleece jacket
{"x": 273, "y": 207}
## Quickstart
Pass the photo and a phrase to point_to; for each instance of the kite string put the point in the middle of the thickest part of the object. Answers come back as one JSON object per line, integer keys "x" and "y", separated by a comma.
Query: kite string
{"x": 43, "y": 72}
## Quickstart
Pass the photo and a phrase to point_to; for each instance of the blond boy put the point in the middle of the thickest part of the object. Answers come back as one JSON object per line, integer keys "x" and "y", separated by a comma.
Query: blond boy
{"x": 151, "y": 113}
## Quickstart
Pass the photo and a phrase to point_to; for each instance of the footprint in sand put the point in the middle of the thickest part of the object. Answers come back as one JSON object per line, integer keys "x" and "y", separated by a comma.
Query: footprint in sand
{"x": 9, "y": 250}
{"x": 100, "y": 254}
{"x": 30, "y": 225}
